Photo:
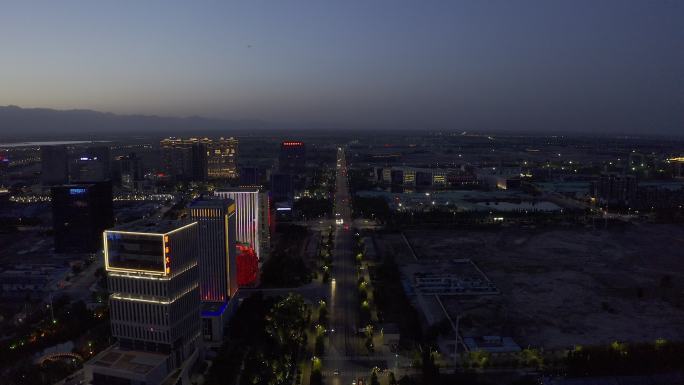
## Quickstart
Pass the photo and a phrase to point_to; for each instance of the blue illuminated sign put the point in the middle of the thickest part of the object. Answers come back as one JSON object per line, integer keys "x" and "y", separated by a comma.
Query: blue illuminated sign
{"x": 77, "y": 191}
{"x": 215, "y": 313}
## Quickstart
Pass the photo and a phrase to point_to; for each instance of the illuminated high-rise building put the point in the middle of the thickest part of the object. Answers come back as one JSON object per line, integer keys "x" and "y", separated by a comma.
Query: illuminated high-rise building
{"x": 292, "y": 158}
{"x": 153, "y": 278}
{"x": 129, "y": 170}
{"x": 184, "y": 159}
{"x": 216, "y": 256}
{"x": 677, "y": 166}
{"x": 613, "y": 189}
{"x": 91, "y": 164}
{"x": 80, "y": 213}
{"x": 251, "y": 176}
{"x": 252, "y": 218}
{"x": 282, "y": 188}
{"x": 222, "y": 155}
{"x": 217, "y": 263}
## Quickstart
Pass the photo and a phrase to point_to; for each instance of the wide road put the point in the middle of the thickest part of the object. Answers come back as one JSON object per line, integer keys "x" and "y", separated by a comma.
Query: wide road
{"x": 344, "y": 344}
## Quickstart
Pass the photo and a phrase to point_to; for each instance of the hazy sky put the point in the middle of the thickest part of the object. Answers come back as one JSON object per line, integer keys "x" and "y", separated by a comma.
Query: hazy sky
{"x": 607, "y": 65}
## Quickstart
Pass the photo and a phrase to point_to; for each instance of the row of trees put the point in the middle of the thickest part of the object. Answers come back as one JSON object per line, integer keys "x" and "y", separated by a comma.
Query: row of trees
{"x": 72, "y": 322}
{"x": 325, "y": 253}
{"x": 285, "y": 267}
{"x": 619, "y": 358}
{"x": 393, "y": 304}
{"x": 371, "y": 207}
{"x": 311, "y": 208}
{"x": 267, "y": 337}
{"x": 615, "y": 359}
{"x": 69, "y": 322}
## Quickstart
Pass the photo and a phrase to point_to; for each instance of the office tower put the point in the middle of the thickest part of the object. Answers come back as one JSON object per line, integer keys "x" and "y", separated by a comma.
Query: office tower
{"x": 80, "y": 213}
{"x": 222, "y": 157}
{"x": 292, "y": 157}
{"x": 439, "y": 178}
{"x": 423, "y": 178}
{"x": 153, "y": 278}
{"x": 251, "y": 177}
{"x": 176, "y": 158}
{"x": 91, "y": 164}
{"x": 4, "y": 197}
{"x": 397, "y": 177}
{"x": 184, "y": 159}
{"x": 408, "y": 177}
{"x": 282, "y": 188}
{"x": 677, "y": 166}
{"x": 615, "y": 189}
{"x": 216, "y": 252}
{"x": 252, "y": 218}
{"x": 217, "y": 262}
{"x": 4, "y": 165}
{"x": 129, "y": 170}
{"x": 199, "y": 161}
{"x": 387, "y": 175}
{"x": 54, "y": 162}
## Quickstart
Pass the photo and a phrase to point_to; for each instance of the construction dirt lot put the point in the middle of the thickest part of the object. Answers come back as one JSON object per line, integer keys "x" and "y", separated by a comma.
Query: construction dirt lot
{"x": 565, "y": 287}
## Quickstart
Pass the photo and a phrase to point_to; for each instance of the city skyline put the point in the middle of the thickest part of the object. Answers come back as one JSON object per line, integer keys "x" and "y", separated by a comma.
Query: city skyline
{"x": 608, "y": 67}
{"x": 363, "y": 192}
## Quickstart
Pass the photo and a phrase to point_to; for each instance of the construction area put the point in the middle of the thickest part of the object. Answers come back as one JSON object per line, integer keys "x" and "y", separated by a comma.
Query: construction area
{"x": 551, "y": 288}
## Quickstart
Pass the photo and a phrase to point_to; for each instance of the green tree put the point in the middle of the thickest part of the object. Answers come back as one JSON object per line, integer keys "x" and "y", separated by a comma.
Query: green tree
{"x": 316, "y": 378}
{"x": 531, "y": 358}
{"x": 406, "y": 380}
{"x": 392, "y": 379}
{"x": 477, "y": 359}
{"x": 374, "y": 379}
{"x": 430, "y": 370}
{"x": 320, "y": 345}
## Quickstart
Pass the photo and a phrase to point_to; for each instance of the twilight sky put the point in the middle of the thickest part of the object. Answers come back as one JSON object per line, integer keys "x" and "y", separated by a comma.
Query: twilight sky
{"x": 585, "y": 65}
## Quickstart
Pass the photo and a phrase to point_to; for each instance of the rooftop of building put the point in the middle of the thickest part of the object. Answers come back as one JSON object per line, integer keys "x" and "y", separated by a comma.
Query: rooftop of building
{"x": 175, "y": 140}
{"x": 292, "y": 143}
{"x": 131, "y": 361}
{"x": 152, "y": 226}
{"x": 210, "y": 202}
{"x": 493, "y": 344}
{"x": 238, "y": 190}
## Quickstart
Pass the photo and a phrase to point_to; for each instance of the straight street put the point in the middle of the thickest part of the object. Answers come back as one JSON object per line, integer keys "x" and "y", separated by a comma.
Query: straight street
{"x": 344, "y": 342}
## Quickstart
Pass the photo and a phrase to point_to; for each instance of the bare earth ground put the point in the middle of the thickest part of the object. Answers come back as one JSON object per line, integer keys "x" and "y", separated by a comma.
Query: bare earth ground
{"x": 562, "y": 287}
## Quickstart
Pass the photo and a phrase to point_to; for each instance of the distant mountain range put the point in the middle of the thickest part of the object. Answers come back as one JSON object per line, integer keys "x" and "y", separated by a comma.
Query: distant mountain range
{"x": 25, "y": 124}
{"x": 19, "y": 123}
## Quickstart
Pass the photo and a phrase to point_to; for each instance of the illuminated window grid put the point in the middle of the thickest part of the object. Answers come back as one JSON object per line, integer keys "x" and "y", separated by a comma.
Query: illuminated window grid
{"x": 166, "y": 252}
{"x": 213, "y": 284}
{"x": 150, "y": 300}
{"x": 150, "y": 277}
{"x": 247, "y": 216}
